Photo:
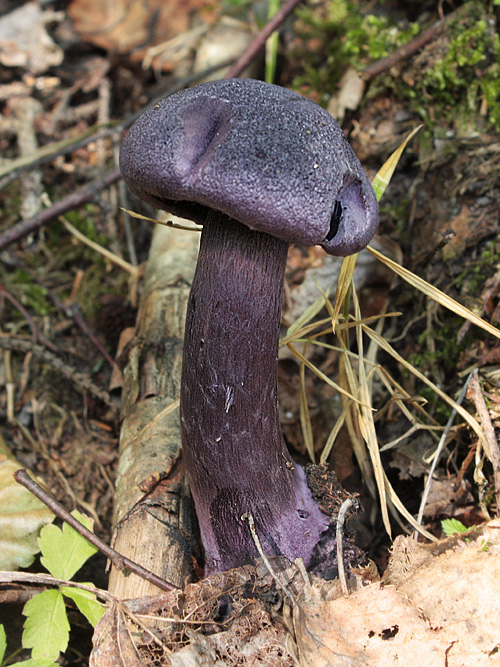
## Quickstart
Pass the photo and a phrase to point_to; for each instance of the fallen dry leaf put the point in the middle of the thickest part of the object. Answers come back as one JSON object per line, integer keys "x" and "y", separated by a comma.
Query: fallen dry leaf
{"x": 124, "y": 25}
{"x": 226, "y": 617}
{"x": 438, "y": 605}
{"x": 21, "y": 516}
{"x": 113, "y": 641}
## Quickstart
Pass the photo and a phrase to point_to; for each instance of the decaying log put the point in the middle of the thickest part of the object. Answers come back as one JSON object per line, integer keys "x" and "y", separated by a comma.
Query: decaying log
{"x": 153, "y": 519}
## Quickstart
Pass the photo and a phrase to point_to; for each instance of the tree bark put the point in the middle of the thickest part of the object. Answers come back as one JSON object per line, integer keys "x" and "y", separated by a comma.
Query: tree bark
{"x": 154, "y": 522}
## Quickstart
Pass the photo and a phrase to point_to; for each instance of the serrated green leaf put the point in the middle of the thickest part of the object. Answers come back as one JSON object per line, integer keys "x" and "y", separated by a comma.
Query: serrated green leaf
{"x": 86, "y": 603}
{"x": 65, "y": 551}
{"x": 3, "y": 642}
{"x": 46, "y": 629}
{"x": 452, "y": 526}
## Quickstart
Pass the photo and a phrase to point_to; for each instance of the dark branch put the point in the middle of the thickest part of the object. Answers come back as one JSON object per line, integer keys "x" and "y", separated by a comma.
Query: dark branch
{"x": 259, "y": 41}
{"x": 119, "y": 561}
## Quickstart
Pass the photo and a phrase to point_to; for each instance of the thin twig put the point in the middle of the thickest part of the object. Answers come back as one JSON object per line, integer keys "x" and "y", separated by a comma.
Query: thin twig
{"x": 49, "y": 580}
{"x": 438, "y": 453}
{"x": 47, "y": 154}
{"x": 119, "y": 561}
{"x": 340, "y": 539}
{"x": 34, "y": 331}
{"x": 261, "y": 38}
{"x": 78, "y": 198}
{"x": 405, "y": 51}
{"x": 72, "y": 312}
{"x": 280, "y": 584}
{"x": 81, "y": 379}
{"x": 474, "y": 392}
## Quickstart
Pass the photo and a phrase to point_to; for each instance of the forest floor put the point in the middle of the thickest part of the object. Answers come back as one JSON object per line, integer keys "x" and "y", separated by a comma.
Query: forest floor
{"x": 74, "y": 75}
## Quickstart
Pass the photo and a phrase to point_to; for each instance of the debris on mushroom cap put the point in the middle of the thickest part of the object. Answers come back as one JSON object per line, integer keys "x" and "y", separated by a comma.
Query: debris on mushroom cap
{"x": 261, "y": 154}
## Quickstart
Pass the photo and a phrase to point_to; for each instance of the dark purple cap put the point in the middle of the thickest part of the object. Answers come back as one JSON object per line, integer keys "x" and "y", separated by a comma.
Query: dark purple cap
{"x": 261, "y": 154}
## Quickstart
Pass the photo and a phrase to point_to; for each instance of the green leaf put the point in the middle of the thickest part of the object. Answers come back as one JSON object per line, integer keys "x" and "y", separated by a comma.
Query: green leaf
{"x": 46, "y": 629}
{"x": 38, "y": 662}
{"x": 3, "y": 642}
{"x": 86, "y": 603}
{"x": 65, "y": 551}
{"x": 452, "y": 526}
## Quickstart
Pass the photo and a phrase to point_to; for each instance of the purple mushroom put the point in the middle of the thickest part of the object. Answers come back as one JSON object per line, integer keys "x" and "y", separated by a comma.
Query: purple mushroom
{"x": 259, "y": 167}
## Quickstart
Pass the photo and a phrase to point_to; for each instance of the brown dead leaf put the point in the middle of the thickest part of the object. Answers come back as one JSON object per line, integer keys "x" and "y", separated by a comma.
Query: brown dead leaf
{"x": 124, "y": 25}
{"x": 438, "y": 605}
{"x": 444, "y": 496}
{"x": 113, "y": 645}
{"x": 226, "y": 617}
{"x": 350, "y": 92}
{"x": 374, "y": 627}
{"x": 320, "y": 271}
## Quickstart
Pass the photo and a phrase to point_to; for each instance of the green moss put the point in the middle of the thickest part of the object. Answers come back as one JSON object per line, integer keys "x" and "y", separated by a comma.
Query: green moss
{"x": 472, "y": 278}
{"x": 31, "y": 295}
{"x": 455, "y": 84}
{"x": 455, "y": 81}
{"x": 68, "y": 254}
{"x": 350, "y": 37}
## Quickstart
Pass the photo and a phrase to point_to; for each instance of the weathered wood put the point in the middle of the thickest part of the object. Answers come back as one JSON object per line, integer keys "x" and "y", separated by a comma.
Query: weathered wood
{"x": 153, "y": 517}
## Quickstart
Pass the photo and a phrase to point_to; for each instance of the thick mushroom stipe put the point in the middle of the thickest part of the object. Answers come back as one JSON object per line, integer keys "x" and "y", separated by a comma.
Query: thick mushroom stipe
{"x": 261, "y": 154}
{"x": 259, "y": 166}
{"x": 235, "y": 454}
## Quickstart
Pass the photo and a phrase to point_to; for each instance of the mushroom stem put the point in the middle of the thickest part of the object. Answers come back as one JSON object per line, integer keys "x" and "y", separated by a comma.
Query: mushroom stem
{"x": 235, "y": 454}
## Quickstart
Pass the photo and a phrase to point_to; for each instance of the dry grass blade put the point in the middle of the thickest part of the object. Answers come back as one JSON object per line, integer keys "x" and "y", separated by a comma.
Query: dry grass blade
{"x": 347, "y": 377}
{"x": 365, "y": 418}
{"x": 320, "y": 374}
{"x": 298, "y": 333}
{"x": 435, "y": 294}
{"x": 333, "y": 435}
{"x": 306, "y": 317}
{"x": 305, "y": 417}
{"x": 165, "y": 223}
{"x": 461, "y": 411}
{"x": 384, "y": 175}
{"x": 343, "y": 286}
{"x": 119, "y": 261}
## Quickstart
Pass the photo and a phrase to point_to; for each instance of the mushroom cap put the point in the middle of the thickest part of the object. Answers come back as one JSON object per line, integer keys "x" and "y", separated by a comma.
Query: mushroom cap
{"x": 261, "y": 154}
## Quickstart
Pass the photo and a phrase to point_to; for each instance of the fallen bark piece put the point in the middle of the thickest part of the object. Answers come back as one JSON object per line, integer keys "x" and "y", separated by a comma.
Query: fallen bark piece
{"x": 152, "y": 519}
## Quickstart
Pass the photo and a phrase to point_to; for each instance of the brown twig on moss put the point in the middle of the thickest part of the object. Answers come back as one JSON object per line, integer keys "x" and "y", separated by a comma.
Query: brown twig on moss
{"x": 406, "y": 50}
{"x": 74, "y": 200}
{"x": 34, "y": 330}
{"x": 119, "y": 561}
{"x": 72, "y": 311}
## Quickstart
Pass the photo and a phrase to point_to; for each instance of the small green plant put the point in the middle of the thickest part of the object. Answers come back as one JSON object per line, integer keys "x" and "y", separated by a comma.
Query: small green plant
{"x": 465, "y": 77}
{"x": 452, "y": 526}
{"x": 350, "y": 36}
{"x": 46, "y": 629}
{"x": 31, "y": 294}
